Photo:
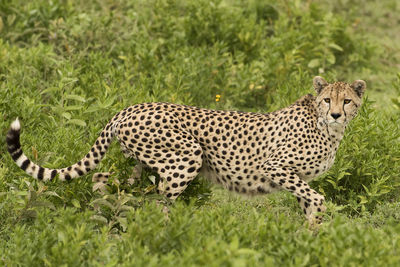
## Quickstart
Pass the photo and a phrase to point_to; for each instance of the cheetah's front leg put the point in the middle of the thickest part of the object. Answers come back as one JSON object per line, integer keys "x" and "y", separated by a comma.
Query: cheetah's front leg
{"x": 310, "y": 201}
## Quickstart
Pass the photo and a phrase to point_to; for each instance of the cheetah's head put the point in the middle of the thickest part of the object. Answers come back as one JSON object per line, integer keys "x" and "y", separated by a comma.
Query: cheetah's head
{"x": 338, "y": 103}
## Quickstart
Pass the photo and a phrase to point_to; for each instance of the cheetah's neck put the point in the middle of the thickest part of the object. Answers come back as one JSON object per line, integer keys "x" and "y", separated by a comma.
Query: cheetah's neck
{"x": 334, "y": 132}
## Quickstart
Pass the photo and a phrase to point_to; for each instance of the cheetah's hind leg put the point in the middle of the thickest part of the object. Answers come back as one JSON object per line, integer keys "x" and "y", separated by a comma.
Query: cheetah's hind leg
{"x": 101, "y": 177}
{"x": 176, "y": 166}
{"x": 136, "y": 174}
{"x": 100, "y": 180}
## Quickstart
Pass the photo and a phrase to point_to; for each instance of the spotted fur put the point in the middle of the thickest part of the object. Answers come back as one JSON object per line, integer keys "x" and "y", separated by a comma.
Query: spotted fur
{"x": 249, "y": 153}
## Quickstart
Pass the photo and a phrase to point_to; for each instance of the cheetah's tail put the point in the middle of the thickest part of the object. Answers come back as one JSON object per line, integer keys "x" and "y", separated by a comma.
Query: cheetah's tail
{"x": 80, "y": 168}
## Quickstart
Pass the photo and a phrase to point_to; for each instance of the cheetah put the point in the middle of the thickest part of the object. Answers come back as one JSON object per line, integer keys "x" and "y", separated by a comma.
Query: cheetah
{"x": 250, "y": 153}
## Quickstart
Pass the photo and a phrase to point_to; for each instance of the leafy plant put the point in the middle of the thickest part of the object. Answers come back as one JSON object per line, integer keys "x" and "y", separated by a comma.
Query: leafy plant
{"x": 396, "y": 85}
{"x": 68, "y": 66}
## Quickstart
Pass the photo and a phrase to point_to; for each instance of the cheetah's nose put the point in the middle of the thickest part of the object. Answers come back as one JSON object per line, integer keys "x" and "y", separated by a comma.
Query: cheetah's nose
{"x": 336, "y": 115}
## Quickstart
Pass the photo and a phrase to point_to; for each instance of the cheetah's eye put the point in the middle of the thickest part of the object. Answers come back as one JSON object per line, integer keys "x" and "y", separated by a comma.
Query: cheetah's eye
{"x": 347, "y": 101}
{"x": 327, "y": 100}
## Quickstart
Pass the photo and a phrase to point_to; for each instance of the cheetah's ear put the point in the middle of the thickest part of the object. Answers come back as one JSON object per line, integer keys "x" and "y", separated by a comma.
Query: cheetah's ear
{"x": 359, "y": 87}
{"x": 319, "y": 84}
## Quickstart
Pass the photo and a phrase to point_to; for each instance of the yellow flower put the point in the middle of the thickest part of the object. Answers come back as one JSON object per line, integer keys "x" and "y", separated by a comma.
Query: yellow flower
{"x": 217, "y": 97}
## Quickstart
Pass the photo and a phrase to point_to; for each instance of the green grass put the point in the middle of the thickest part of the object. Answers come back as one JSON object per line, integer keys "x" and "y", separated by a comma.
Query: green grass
{"x": 67, "y": 67}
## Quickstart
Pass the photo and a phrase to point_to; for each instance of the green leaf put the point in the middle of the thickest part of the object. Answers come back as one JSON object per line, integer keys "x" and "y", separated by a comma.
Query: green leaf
{"x": 125, "y": 208}
{"x": 66, "y": 115}
{"x": 51, "y": 193}
{"x": 314, "y": 63}
{"x": 61, "y": 236}
{"x": 102, "y": 202}
{"x": 46, "y": 204}
{"x": 76, "y": 203}
{"x": 99, "y": 218}
{"x": 333, "y": 183}
{"x": 234, "y": 245}
{"x": 336, "y": 47}
{"x": 247, "y": 251}
{"x": 50, "y": 90}
{"x": 93, "y": 108}
{"x": 330, "y": 58}
{"x": 75, "y": 97}
{"x": 123, "y": 222}
{"x": 363, "y": 199}
{"x": 69, "y": 108}
{"x": 149, "y": 188}
{"x": 152, "y": 178}
{"x": 124, "y": 200}
{"x": 77, "y": 122}
{"x": 29, "y": 214}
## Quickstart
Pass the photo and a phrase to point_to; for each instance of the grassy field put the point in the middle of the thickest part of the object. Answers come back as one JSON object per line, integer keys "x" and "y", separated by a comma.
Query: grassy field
{"x": 66, "y": 67}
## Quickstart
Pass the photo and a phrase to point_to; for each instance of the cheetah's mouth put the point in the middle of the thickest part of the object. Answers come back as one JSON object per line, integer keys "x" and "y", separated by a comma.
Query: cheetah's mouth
{"x": 335, "y": 123}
